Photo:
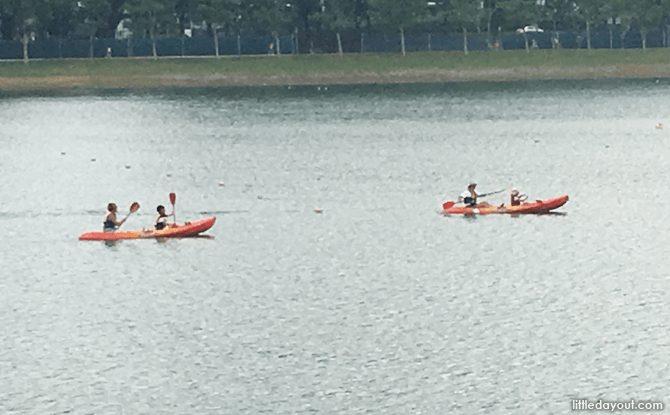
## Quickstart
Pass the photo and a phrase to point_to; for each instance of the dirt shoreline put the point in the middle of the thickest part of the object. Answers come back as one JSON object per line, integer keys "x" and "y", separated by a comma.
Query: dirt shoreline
{"x": 336, "y": 78}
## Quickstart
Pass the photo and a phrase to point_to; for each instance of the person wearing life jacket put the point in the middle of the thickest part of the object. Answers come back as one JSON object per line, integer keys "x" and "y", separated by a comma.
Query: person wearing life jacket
{"x": 110, "y": 223}
{"x": 161, "y": 218}
{"x": 469, "y": 197}
{"x": 517, "y": 198}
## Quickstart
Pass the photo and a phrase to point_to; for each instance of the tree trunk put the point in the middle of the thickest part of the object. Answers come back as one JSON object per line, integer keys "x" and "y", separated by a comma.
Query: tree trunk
{"x": 362, "y": 39}
{"x": 90, "y": 46}
{"x": 277, "y": 43}
{"x": 216, "y": 40}
{"x": 623, "y": 36}
{"x": 488, "y": 26}
{"x": 24, "y": 42}
{"x": 465, "y": 41}
{"x": 500, "y": 40}
{"x": 153, "y": 44}
{"x": 339, "y": 44}
{"x": 430, "y": 45}
{"x": 239, "y": 45}
{"x": 402, "y": 41}
{"x": 525, "y": 38}
{"x": 129, "y": 47}
{"x": 297, "y": 44}
{"x": 588, "y": 35}
{"x": 611, "y": 43}
{"x": 644, "y": 39}
{"x": 183, "y": 46}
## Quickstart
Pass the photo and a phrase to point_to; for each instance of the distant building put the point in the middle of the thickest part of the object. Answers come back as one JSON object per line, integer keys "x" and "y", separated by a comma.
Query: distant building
{"x": 122, "y": 31}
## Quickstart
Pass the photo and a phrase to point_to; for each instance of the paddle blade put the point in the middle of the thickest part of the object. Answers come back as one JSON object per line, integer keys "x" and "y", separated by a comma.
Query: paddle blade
{"x": 134, "y": 207}
{"x": 173, "y": 198}
{"x": 447, "y": 205}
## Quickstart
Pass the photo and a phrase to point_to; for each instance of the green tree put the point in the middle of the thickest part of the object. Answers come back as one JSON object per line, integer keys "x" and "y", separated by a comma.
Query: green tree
{"x": 590, "y": 12}
{"x": 116, "y": 14}
{"x": 624, "y": 17}
{"x": 339, "y": 15}
{"x": 26, "y": 17}
{"x": 91, "y": 16}
{"x": 217, "y": 13}
{"x": 466, "y": 14}
{"x": 521, "y": 13}
{"x": 646, "y": 15}
{"x": 153, "y": 18}
{"x": 63, "y": 19}
{"x": 392, "y": 15}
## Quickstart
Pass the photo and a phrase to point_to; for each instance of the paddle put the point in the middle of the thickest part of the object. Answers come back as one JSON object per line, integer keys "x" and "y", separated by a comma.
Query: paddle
{"x": 492, "y": 193}
{"x": 173, "y": 199}
{"x": 133, "y": 208}
{"x": 448, "y": 205}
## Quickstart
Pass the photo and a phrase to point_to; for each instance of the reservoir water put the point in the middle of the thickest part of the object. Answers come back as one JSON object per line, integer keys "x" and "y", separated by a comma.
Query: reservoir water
{"x": 377, "y": 305}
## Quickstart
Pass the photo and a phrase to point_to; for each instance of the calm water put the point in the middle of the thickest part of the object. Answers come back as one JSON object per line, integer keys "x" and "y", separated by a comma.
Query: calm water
{"x": 377, "y": 305}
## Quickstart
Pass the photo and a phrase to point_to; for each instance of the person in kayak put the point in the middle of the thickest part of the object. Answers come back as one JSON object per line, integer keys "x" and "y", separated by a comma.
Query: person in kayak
{"x": 161, "y": 218}
{"x": 111, "y": 224}
{"x": 517, "y": 198}
{"x": 469, "y": 197}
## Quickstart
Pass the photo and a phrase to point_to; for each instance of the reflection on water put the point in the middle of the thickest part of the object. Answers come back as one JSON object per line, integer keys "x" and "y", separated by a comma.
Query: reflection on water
{"x": 377, "y": 304}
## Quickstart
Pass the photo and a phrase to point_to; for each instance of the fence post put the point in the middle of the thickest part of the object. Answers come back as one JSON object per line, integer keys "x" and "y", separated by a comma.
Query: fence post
{"x": 216, "y": 41}
{"x": 339, "y": 43}
{"x": 402, "y": 41}
{"x": 465, "y": 41}
{"x": 297, "y": 41}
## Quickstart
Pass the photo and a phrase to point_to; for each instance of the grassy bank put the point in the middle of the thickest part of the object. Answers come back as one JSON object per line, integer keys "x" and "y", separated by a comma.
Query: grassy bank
{"x": 334, "y": 69}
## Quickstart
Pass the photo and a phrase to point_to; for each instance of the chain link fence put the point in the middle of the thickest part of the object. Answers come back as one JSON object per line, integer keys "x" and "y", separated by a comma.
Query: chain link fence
{"x": 238, "y": 45}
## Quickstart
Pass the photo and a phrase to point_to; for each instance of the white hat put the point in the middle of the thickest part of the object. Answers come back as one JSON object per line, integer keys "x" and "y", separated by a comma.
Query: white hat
{"x": 514, "y": 190}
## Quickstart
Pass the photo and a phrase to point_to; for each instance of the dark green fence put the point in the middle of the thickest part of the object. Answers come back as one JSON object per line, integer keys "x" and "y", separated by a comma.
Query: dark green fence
{"x": 322, "y": 43}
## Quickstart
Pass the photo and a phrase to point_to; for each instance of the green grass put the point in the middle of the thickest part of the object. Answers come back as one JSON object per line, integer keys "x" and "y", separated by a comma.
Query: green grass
{"x": 304, "y": 64}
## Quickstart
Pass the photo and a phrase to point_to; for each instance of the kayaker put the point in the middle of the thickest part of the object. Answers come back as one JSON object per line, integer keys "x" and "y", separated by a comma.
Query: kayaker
{"x": 469, "y": 197}
{"x": 161, "y": 218}
{"x": 111, "y": 224}
{"x": 517, "y": 198}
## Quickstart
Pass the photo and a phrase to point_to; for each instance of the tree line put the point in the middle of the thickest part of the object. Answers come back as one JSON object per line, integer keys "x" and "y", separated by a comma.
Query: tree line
{"x": 27, "y": 20}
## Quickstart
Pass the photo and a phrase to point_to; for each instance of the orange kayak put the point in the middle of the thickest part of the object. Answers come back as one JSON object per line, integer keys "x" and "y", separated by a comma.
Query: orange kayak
{"x": 538, "y": 206}
{"x": 186, "y": 230}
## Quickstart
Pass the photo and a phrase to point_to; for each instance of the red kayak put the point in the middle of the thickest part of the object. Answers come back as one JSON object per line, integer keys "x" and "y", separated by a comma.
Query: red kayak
{"x": 538, "y": 206}
{"x": 189, "y": 229}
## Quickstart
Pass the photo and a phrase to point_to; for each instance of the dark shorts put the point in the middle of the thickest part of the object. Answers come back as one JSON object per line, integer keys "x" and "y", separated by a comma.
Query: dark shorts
{"x": 469, "y": 201}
